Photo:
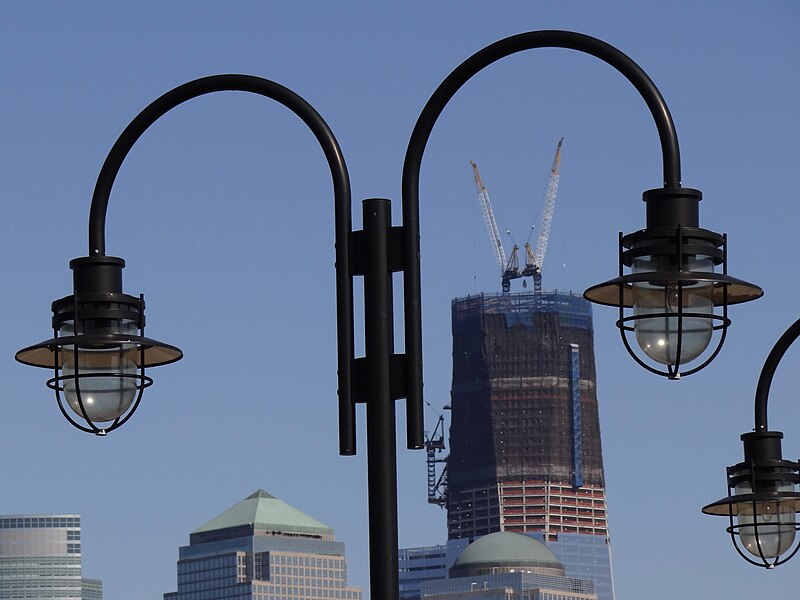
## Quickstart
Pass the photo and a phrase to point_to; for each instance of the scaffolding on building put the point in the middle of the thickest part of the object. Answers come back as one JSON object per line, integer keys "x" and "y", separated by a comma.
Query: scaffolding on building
{"x": 524, "y": 405}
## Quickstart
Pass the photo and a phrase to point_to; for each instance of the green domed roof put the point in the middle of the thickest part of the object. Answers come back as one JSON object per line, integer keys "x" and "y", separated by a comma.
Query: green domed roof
{"x": 506, "y": 549}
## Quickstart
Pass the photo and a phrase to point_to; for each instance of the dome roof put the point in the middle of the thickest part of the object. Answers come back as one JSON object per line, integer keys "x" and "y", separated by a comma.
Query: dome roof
{"x": 505, "y": 549}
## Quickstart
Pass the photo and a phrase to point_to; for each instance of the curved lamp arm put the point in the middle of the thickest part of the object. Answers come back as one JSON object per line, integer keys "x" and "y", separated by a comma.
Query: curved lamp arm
{"x": 447, "y": 89}
{"x": 768, "y": 372}
{"x": 342, "y": 204}
{"x": 199, "y": 87}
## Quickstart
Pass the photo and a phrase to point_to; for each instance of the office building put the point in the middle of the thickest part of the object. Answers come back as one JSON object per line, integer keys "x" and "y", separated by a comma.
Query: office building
{"x": 426, "y": 563}
{"x": 525, "y": 453}
{"x": 507, "y": 566}
{"x": 40, "y": 558}
{"x": 262, "y": 549}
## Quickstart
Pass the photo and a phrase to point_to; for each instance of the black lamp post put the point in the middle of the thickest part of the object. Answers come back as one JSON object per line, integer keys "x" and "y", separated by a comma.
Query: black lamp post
{"x": 99, "y": 360}
{"x": 764, "y": 490}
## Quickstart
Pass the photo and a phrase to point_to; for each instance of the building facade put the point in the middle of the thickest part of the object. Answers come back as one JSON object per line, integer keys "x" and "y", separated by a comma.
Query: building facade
{"x": 262, "y": 549}
{"x": 40, "y": 558}
{"x": 525, "y": 453}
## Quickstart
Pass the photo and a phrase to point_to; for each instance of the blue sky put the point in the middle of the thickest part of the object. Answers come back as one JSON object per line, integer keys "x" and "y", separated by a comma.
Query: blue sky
{"x": 223, "y": 212}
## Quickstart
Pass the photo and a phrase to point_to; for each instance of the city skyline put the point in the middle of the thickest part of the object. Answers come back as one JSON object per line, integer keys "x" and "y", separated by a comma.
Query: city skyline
{"x": 223, "y": 213}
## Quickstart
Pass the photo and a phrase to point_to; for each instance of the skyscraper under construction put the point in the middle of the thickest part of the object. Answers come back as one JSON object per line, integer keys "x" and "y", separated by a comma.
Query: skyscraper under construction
{"x": 525, "y": 453}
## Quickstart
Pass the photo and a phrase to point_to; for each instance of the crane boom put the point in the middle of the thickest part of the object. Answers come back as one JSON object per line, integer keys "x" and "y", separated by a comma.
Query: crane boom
{"x": 488, "y": 216}
{"x": 547, "y": 218}
{"x": 509, "y": 269}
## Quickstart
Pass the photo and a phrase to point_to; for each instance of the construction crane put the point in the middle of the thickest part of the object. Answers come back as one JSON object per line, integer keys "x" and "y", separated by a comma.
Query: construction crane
{"x": 535, "y": 260}
{"x": 434, "y": 445}
{"x": 509, "y": 269}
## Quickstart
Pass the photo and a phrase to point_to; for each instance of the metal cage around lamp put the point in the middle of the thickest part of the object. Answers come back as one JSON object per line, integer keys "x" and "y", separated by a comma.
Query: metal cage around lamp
{"x": 98, "y": 353}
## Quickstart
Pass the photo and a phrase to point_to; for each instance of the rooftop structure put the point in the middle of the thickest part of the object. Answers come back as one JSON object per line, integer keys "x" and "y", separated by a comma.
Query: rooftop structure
{"x": 507, "y": 566}
{"x": 265, "y": 512}
{"x": 262, "y": 549}
{"x": 505, "y": 552}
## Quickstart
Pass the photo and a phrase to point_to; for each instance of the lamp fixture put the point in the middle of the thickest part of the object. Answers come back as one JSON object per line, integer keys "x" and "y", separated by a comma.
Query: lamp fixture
{"x": 98, "y": 352}
{"x": 764, "y": 490}
{"x": 672, "y": 288}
